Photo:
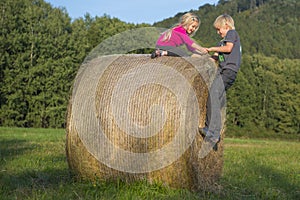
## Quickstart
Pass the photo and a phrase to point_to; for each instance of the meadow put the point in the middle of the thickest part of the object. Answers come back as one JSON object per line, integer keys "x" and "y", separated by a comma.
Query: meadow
{"x": 33, "y": 166}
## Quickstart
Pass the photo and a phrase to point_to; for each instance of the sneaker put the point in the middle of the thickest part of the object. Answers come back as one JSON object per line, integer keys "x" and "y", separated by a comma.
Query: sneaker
{"x": 207, "y": 146}
{"x": 203, "y": 132}
{"x": 215, "y": 148}
{"x": 156, "y": 53}
{"x": 205, "y": 149}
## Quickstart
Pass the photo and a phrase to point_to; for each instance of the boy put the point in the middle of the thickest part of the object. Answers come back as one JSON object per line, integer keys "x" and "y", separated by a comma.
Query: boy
{"x": 228, "y": 55}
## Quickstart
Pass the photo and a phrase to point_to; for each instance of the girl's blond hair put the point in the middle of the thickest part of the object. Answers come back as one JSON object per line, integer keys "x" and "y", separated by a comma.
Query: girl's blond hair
{"x": 185, "y": 21}
{"x": 223, "y": 20}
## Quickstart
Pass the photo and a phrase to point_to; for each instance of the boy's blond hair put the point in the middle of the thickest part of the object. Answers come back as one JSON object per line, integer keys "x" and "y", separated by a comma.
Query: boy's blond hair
{"x": 223, "y": 20}
{"x": 185, "y": 20}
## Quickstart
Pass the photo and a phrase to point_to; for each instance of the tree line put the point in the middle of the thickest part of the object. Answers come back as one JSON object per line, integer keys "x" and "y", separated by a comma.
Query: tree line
{"x": 42, "y": 49}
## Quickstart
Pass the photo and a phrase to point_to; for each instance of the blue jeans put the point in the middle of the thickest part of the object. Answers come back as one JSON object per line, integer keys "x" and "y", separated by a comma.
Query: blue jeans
{"x": 216, "y": 101}
{"x": 173, "y": 51}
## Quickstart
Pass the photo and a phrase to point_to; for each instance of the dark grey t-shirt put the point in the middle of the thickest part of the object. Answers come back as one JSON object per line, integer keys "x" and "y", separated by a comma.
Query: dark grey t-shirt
{"x": 231, "y": 60}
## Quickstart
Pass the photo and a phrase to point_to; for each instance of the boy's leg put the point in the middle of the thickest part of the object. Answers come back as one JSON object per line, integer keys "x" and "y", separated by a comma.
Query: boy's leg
{"x": 213, "y": 117}
{"x": 215, "y": 102}
{"x": 217, "y": 97}
{"x": 213, "y": 108}
{"x": 228, "y": 77}
{"x": 213, "y": 124}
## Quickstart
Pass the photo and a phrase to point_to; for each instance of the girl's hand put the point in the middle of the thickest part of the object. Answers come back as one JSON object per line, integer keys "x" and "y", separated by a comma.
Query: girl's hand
{"x": 199, "y": 49}
{"x": 203, "y": 50}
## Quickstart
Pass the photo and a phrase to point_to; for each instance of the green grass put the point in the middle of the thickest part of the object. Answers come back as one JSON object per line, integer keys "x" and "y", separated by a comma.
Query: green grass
{"x": 33, "y": 166}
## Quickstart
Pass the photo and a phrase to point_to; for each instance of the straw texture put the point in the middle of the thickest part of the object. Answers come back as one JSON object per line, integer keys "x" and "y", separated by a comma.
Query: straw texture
{"x": 132, "y": 118}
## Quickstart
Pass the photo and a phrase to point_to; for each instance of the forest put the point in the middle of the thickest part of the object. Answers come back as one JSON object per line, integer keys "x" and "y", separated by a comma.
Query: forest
{"x": 42, "y": 49}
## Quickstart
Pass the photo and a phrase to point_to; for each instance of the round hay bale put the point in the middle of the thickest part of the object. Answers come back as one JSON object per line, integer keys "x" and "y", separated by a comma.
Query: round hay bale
{"x": 132, "y": 118}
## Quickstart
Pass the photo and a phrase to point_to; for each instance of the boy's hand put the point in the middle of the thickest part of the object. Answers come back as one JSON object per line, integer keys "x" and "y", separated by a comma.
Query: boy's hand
{"x": 209, "y": 49}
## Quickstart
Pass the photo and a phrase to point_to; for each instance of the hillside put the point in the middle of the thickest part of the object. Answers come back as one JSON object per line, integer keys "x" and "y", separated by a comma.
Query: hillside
{"x": 269, "y": 28}
{"x": 266, "y": 95}
{"x": 41, "y": 50}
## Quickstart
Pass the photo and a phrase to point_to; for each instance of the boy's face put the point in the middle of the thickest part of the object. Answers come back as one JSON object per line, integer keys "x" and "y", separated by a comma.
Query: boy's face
{"x": 192, "y": 27}
{"x": 222, "y": 31}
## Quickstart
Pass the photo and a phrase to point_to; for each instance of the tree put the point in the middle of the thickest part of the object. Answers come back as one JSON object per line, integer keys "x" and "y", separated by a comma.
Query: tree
{"x": 36, "y": 80}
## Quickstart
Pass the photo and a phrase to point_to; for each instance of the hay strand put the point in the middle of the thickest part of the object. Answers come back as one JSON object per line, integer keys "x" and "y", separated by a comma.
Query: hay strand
{"x": 132, "y": 118}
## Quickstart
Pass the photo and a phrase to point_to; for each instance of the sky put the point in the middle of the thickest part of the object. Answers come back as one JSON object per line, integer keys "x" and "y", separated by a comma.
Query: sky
{"x": 130, "y": 11}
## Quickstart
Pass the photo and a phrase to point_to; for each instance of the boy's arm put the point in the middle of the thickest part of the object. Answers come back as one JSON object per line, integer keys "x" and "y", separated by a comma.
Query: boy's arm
{"x": 224, "y": 49}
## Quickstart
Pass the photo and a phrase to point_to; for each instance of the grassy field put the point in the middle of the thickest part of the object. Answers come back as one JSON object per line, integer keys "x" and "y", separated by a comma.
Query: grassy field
{"x": 33, "y": 166}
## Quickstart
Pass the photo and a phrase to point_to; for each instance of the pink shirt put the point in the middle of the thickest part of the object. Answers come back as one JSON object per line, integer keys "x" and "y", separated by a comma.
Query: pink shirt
{"x": 179, "y": 37}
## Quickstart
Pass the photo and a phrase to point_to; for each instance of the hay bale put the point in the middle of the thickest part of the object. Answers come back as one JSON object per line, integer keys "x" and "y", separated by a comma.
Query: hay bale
{"x": 134, "y": 118}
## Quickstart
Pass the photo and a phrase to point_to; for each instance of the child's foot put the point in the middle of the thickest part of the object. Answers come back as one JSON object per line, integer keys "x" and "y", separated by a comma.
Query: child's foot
{"x": 215, "y": 147}
{"x": 203, "y": 132}
{"x": 156, "y": 53}
{"x": 207, "y": 146}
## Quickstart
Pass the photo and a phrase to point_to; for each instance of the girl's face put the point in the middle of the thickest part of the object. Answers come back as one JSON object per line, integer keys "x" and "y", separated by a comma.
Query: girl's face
{"x": 222, "y": 31}
{"x": 192, "y": 27}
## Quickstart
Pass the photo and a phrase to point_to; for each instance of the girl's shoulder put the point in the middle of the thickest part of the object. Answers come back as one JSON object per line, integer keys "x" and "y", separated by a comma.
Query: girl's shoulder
{"x": 179, "y": 29}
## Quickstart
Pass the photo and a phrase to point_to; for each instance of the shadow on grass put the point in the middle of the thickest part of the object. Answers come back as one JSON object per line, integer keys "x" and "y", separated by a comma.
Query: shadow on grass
{"x": 255, "y": 180}
{"x": 10, "y": 148}
{"x": 36, "y": 179}
{"x": 277, "y": 182}
{"x": 26, "y": 183}
{"x": 21, "y": 179}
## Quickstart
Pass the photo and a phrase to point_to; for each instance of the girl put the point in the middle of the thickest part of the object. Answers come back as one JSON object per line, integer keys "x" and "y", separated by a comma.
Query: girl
{"x": 169, "y": 42}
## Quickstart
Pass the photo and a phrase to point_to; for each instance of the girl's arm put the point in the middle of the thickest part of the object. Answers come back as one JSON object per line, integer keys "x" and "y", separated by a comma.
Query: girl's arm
{"x": 199, "y": 49}
{"x": 191, "y": 45}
